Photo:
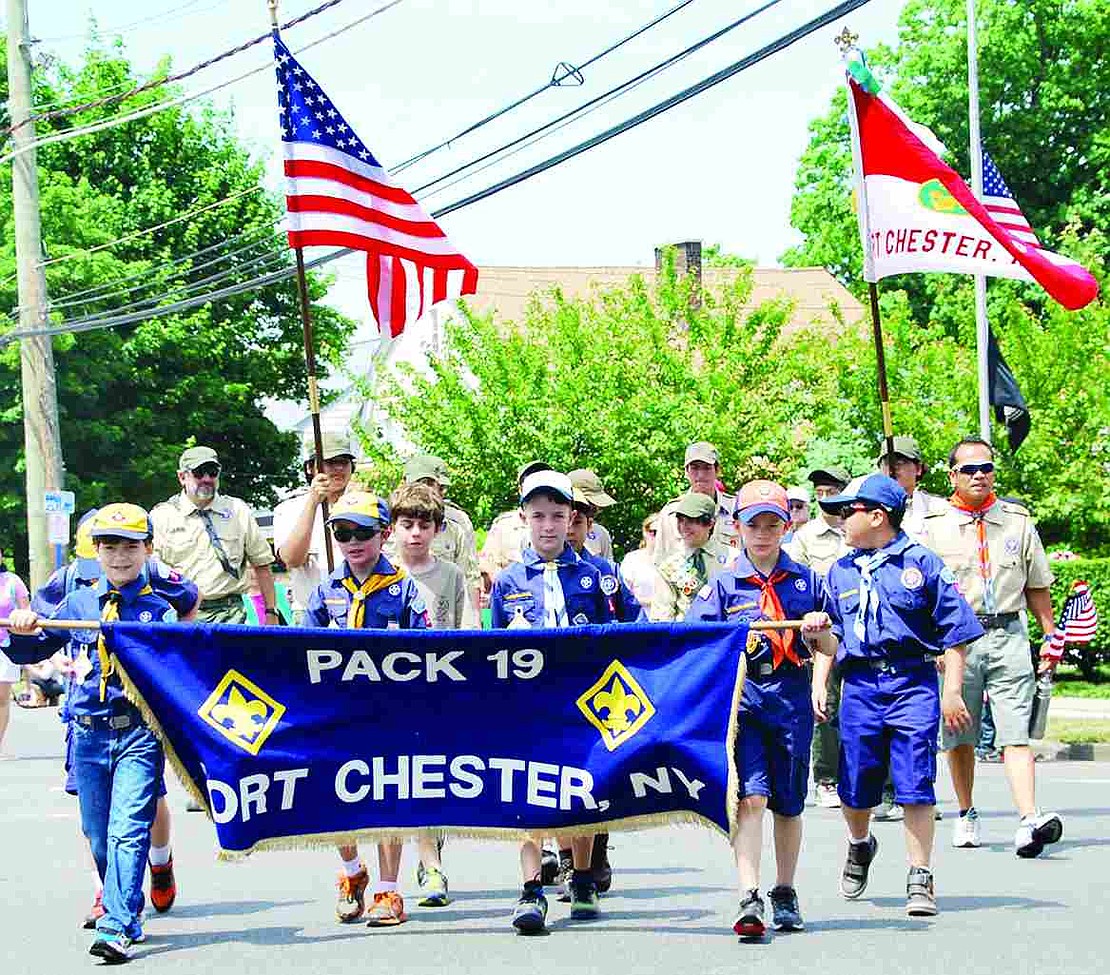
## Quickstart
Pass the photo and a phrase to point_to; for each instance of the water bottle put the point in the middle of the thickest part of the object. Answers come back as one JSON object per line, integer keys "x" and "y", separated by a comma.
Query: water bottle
{"x": 1038, "y": 721}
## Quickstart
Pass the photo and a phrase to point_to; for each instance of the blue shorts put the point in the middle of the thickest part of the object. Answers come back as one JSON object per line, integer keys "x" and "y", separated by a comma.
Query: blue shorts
{"x": 888, "y": 722}
{"x": 773, "y": 738}
{"x": 71, "y": 775}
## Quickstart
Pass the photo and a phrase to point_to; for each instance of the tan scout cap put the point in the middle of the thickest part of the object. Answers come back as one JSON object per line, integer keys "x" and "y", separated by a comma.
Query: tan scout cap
{"x": 694, "y": 505}
{"x": 334, "y": 444}
{"x": 426, "y": 467}
{"x": 589, "y": 485}
{"x": 193, "y": 457}
{"x": 704, "y": 451}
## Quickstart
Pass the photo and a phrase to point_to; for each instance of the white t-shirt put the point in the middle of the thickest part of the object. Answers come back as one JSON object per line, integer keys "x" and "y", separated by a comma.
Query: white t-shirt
{"x": 304, "y": 578}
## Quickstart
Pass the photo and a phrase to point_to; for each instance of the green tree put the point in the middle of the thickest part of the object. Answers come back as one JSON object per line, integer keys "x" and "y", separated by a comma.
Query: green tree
{"x": 130, "y": 397}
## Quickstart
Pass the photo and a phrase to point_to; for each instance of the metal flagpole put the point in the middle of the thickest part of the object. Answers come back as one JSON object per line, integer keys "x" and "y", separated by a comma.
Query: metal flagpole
{"x": 309, "y": 358}
{"x": 982, "y": 326}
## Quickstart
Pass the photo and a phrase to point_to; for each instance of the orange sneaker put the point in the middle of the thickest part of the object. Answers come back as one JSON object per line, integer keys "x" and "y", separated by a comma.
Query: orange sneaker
{"x": 163, "y": 887}
{"x": 387, "y": 910}
{"x": 352, "y": 896}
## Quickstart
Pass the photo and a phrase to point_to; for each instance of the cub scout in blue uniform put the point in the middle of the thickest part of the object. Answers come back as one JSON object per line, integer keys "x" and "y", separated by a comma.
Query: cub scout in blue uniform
{"x": 775, "y": 725}
{"x": 366, "y": 592}
{"x": 895, "y": 609}
{"x": 550, "y": 587}
{"x": 117, "y": 760}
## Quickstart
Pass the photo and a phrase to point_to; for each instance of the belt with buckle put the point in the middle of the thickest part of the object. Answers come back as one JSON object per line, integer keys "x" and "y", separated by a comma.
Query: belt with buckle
{"x": 110, "y": 722}
{"x": 884, "y": 665}
{"x": 996, "y": 621}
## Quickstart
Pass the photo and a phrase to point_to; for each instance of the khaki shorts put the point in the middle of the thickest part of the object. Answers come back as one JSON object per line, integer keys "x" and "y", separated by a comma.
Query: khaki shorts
{"x": 1000, "y": 664}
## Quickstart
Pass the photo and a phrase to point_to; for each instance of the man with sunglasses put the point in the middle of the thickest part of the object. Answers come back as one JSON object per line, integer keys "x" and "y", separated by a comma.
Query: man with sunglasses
{"x": 212, "y": 538}
{"x": 994, "y": 550}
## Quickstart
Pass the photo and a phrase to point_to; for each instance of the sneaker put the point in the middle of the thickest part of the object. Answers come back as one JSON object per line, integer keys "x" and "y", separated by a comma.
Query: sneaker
{"x": 96, "y": 912}
{"x": 1035, "y": 833}
{"x": 566, "y": 873}
{"x": 434, "y": 889}
{"x": 920, "y": 901}
{"x": 853, "y": 880}
{"x": 192, "y": 805}
{"x": 530, "y": 913}
{"x": 549, "y": 867}
{"x": 785, "y": 913}
{"x": 599, "y": 863}
{"x": 966, "y": 832}
{"x": 163, "y": 887}
{"x": 888, "y": 811}
{"x": 352, "y": 896}
{"x": 114, "y": 948}
{"x": 387, "y": 911}
{"x": 421, "y": 870}
{"x": 826, "y": 795}
{"x": 583, "y": 896}
{"x": 749, "y": 919}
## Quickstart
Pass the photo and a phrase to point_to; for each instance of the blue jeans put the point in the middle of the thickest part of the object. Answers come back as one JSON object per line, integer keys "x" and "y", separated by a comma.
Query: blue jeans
{"x": 117, "y": 788}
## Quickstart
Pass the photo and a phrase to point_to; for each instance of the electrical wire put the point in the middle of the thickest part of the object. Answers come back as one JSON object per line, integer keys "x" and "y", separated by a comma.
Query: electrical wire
{"x": 288, "y": 271}
{"x": 173, "y": 13}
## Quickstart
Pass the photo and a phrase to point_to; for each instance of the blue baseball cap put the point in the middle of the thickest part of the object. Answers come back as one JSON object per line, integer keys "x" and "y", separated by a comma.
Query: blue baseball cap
{"x": 873, "y": 489}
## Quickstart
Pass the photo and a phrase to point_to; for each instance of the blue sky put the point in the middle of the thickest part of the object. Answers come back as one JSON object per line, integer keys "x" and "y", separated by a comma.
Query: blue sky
{"x": 719, "y": 168}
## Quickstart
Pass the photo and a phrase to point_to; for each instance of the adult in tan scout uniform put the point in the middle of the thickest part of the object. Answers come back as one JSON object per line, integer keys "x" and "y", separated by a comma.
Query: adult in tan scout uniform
{"x": 702, "y": 465}
{"x": 507, "y": 536}
{"x": 587, "y": 484}
{"x": 992, "y": 548}
{"x": 909, "y": 469}
{"x": 299, "y": 534}
{"x": 701, "y": 559}
{"x": 212, "y": 539}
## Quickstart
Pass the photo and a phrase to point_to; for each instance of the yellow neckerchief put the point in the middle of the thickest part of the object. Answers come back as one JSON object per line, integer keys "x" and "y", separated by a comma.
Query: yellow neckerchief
{"x": 109, "y": 614}
{"x": 359, "y": 594}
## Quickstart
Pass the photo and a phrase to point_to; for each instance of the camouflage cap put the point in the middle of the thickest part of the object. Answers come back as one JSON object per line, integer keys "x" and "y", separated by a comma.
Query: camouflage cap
{"x": 903, "y": 447}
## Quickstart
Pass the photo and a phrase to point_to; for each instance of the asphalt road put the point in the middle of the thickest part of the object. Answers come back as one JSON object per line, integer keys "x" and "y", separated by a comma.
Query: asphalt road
{"x": 670, "y": 910}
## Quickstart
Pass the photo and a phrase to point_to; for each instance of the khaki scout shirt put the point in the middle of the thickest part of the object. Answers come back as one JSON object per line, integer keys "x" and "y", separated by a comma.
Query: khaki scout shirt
{"x": 505, "y": 542}
{"x": 468, "y": 549}
{"x": 181, "y": 541}
{"x": 668, "y": 542}
{"x": 676, "y": 584}
{"x": 1018, "y": 560}
{"x": 600, "y": 542}
{"x": 817, "y": 544}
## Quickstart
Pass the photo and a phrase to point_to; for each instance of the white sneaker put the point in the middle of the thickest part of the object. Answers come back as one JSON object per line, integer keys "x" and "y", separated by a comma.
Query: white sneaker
{"x": 965, "y": 830}
{"x": 1035, "y": 833}
{"x": 826, "y": 795}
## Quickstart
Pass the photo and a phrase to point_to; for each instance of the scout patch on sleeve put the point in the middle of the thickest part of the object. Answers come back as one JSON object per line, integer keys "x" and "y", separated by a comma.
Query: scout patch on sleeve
{"x": 947, "y": 575}
{"x": 801, "y": 585}
{"x": 1012, "y": 545}
{"x": 912, "y": 577}
{"x": 587, "y": 582}
{"x": 395, "y": 590}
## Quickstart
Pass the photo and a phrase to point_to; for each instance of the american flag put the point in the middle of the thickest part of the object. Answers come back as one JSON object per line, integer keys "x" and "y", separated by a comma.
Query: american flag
{"x": 338, "y": 194}
{"x": 1001, "y": 205}
{"x": 1078, "y": 620}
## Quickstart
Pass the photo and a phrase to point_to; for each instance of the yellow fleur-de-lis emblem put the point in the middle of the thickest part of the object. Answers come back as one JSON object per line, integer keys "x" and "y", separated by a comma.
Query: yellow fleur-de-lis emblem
{"x": 242, "y": 712}
{"x": 616, "y": 705}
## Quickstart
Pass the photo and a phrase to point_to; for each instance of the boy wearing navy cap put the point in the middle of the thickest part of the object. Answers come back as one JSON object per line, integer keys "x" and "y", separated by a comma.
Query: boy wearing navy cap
{"x": 550, "y": 587}
{"x": 775, "y": 723}
{"x": 366, "y": 592}
{"x": 118, "y": 761}
{"x": 895, "y": 609}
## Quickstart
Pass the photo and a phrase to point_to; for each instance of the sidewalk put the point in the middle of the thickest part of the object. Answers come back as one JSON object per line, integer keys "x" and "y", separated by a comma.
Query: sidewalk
{"x": 1092, "y": 708}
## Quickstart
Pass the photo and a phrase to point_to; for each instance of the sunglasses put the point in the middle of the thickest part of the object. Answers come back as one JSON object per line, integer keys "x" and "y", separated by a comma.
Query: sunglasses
{"x": 354, "y": 534}
{"x": 206, "y": 470}
{"x": 972, "y": 469}
{"x": 798, "y": 504}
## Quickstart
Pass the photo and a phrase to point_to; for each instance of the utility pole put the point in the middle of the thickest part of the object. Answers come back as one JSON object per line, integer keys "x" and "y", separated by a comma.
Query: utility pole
{"x": 42, "y": 446}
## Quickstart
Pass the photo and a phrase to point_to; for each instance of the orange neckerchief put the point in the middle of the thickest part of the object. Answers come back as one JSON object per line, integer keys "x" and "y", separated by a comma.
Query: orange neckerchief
{"x": 978, "y": 514}
{"x": 359, "y": 594}
{"x": 770, "y": 607}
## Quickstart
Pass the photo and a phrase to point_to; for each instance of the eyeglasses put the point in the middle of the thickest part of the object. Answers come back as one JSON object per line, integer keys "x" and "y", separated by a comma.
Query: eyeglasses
{"x": 354, "y": 534}
{"x": 206, "y": 470}
{"x": 972, "y": 469}
{"x": 798, "y": 504}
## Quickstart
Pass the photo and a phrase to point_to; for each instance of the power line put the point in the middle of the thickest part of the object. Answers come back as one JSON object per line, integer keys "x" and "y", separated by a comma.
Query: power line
{"x": 173, "y": 13}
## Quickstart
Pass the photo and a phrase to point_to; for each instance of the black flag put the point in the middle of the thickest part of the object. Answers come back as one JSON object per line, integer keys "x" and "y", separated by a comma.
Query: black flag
{"x": 1005, "y": 397}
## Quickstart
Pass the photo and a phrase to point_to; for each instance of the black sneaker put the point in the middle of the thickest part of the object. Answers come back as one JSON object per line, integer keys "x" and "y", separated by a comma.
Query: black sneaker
{"x": 566, "y": 872}
{"x": 749, "y": 920}
{"x": 853, "y": 880}
{"x": 583, "y": 896}
{"x": 920, "y": 901}
{"x": 549, "y": 867}
{"x": 785, "y": 913}
{"x": 599, "y": 863}
{"x": 530, "y": 912}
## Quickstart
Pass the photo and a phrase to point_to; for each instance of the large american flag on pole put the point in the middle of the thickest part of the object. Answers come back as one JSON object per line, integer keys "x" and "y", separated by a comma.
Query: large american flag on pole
{"x": 1078, "y": 620}
{"x": 338, "y": 194}
{"x": 1001, "y": 205}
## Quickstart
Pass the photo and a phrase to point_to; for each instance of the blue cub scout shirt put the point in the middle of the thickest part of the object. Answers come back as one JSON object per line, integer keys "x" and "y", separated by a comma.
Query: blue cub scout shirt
{"x": 398, "y": 604}
{"x": 87, "y": 603}
{"x": 918, "y": 609}
{"x": 518, "y": 591}
{"x": 623, "y": 605}
{"x": 173, "y": 587}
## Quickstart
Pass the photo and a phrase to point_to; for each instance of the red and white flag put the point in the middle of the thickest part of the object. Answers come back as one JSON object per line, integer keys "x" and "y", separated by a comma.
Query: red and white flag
{"x": 916, "y": 214}
{"x": 338, "y": 194}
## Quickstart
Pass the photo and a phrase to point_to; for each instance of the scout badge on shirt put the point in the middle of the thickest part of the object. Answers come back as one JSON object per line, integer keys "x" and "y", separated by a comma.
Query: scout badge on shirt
{"x": 519, "y": 620}
{"x": 82, "y": 666}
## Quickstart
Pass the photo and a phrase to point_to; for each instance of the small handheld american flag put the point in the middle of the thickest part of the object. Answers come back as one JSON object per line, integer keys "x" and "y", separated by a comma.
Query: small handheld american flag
{"x": 338, "y": 194}
{"x": 1078, "y": 621}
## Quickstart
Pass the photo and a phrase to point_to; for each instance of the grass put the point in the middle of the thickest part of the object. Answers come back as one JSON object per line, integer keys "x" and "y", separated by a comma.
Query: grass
{"x": 1069, "y": 683}
{"x": 1077, "y": 730}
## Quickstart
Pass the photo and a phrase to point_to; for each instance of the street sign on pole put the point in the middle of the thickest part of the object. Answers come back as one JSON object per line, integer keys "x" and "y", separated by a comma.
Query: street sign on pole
{"x": 60, "y": 502}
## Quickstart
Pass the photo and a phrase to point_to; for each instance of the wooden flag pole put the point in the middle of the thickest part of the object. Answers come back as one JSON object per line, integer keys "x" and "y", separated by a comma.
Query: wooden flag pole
{"x": 310, "y": 361}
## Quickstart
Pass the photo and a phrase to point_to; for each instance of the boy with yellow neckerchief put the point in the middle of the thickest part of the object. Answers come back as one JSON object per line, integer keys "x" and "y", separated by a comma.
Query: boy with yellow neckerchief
{"x": 366, "y": 592}
{"x": 117, "y": 759}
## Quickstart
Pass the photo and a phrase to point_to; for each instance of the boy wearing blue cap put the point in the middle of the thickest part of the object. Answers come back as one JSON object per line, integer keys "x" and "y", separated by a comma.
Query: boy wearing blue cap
{"x": 895, "y": 609}
{"x": 550, "y": 587}
{"x": 775, "y": 722}
{"x": 118, "y": 761}
{"x": 366, "y": 591}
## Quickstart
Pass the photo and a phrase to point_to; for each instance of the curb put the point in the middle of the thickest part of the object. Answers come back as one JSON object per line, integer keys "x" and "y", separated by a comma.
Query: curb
{"x": 1058, "y": 751}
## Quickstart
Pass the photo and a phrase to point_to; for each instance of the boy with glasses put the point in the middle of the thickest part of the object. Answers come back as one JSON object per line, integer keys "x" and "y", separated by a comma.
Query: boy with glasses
{"x": 895, "y": 609}
{"x": 993, "y": 548}
{"x": 366, "y": 592}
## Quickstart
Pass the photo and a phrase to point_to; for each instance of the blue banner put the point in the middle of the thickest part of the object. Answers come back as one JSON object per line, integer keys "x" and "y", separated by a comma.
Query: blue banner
{"x": 299, "y": 737}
